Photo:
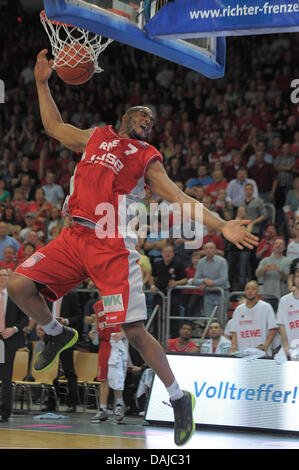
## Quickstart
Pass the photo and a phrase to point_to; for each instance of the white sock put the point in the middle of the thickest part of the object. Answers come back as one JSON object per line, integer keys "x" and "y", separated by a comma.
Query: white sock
{"x": 53, "y": 328}
{"x": 103, "y": 407}
{"x": 119, "y": 401}
{"x": 175, "y": 393}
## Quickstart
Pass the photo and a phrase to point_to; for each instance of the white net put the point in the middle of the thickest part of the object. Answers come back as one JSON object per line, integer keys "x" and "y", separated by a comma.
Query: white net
{"x": 72, "y": 45}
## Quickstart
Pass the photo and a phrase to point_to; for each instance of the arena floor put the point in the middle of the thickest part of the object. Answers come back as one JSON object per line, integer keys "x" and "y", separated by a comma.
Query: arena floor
{"x": 25, "y": 431}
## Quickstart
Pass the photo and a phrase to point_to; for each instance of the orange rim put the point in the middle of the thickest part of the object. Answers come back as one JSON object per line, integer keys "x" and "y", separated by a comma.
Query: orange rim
{"x": 59, "y": 23}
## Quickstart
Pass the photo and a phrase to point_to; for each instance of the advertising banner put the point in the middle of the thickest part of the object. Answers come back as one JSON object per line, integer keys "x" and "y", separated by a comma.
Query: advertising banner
{"x": 233, "y": 392}
{"x": 200, "y": 18}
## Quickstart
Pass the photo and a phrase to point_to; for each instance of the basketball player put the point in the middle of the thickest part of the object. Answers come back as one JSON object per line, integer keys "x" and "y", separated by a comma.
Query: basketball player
{"x": 253, "y": 322}
{"x": 113, "y": 164}
{"x": 288, "y": 315}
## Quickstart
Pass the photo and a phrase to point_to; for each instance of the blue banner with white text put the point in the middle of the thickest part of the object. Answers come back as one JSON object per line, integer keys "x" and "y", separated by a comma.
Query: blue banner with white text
{"x": 200, "y": 18}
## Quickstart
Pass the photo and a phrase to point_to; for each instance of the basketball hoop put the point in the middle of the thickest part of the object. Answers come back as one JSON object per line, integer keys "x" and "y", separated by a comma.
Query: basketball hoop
{"x": 65, "y": 37}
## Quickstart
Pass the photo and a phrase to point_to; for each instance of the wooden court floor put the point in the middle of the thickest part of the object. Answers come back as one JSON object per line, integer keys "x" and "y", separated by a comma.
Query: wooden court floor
{"x": 76, "y": 432}
{"x": 72, "y": 432}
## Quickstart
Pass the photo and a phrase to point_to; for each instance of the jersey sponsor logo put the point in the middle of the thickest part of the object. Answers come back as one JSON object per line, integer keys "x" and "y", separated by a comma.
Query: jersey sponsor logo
{"x": 108, "y": 160}
{"x": 111, "y": 318}
{"x": 292, "y": 312}
{"x": 250, "y": 333}
{"x": 109, "y": 145}
{"x": 244, "y": 322}
{"x": 113, "y": 303}
{"x": 35, "y": 258}
{"x": 294, "y": 324}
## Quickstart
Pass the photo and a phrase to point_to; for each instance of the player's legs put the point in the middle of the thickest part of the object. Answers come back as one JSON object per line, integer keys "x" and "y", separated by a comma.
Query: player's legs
{"x": 54, "y": 270}
{"x": 150, "y": 350}
{"x": 113, "y": 267}
{"x": 183, "y": 402}
{"x": 115, "y": 271}
{"x": 25, "y": 295}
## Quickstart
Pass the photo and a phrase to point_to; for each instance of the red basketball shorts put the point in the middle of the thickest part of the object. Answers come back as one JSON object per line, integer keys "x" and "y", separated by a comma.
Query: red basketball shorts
{"x": 112, "y": 264}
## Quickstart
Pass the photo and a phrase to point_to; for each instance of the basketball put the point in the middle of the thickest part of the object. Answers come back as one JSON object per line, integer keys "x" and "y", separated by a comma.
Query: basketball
{"x": 73, "y": 64}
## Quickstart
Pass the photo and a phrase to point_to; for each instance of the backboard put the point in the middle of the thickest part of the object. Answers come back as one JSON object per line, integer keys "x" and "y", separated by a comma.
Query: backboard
{"x": 124, "y": 21}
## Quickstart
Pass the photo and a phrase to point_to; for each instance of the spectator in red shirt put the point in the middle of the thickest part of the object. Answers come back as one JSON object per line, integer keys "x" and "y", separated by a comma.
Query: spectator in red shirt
{"x": 230, "y": 172}
{"x": 32, "y": 238}
{"x": 29, "y": 249}
{"x": 183, "y": 343}
{"x": 265, "y": 246}
{"x": 264, "y": 174}
{"x": 262, "y": 117}
{"x": 232, "y": 138}
{"x": 8, "y": 261}
{"x": 245, "y": 122}
{"x": 44, "y": 161}
{"x": 276, "y": 149}
{"x": 19, "y": 202}
{"x": 219, "y": 182}
{"x": 40, "y": 207}
{"x": 295, "y": 145}
{"x": 220, "y": 154}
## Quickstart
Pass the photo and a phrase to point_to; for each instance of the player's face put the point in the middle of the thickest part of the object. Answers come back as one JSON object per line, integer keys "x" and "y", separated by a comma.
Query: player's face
{"x": 140, "y": 124}
{"x": 251, "y": 291}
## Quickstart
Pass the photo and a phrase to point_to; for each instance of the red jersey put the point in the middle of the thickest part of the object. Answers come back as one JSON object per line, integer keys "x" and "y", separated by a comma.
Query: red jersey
{"x": 104, "y": 330}
{"x": 173, "y": 347}
{"x": 111, "y": 167}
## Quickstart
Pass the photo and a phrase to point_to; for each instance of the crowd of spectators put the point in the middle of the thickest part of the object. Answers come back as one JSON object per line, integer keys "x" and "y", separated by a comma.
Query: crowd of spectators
{"x": 231, "y": 143}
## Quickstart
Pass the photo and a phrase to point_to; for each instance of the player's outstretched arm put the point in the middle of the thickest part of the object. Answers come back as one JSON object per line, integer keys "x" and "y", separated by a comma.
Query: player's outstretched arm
{"x": 70, "y": 136}
{"x": 162, "y": 186}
